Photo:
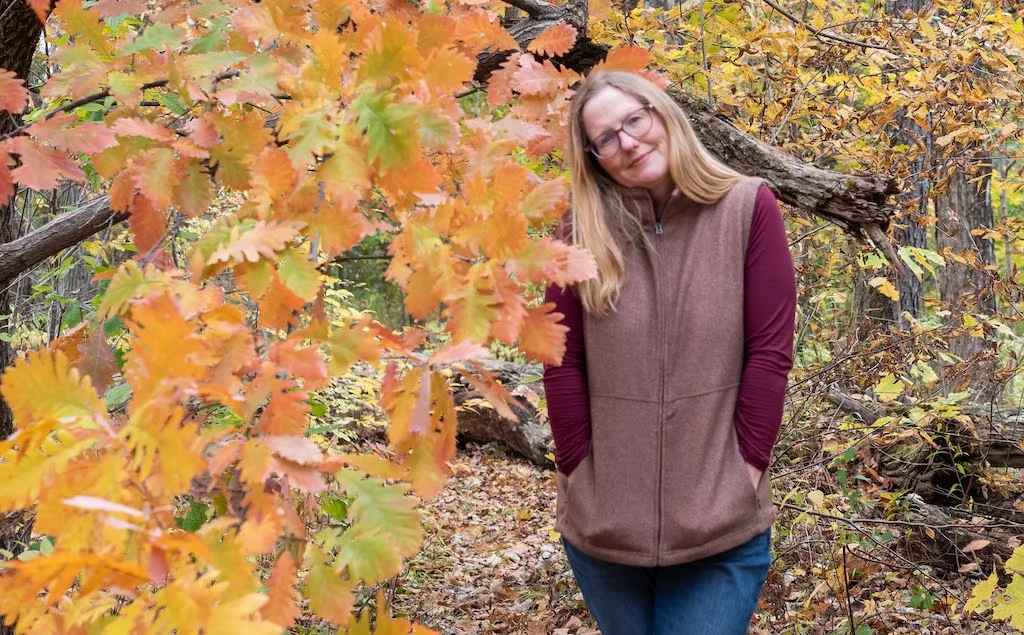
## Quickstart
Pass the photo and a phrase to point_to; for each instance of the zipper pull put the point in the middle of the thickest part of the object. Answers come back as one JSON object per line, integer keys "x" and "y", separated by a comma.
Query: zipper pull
{"x": 658, "y": 228}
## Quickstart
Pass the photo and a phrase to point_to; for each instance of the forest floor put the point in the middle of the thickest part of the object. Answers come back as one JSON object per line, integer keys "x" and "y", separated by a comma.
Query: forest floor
{"x": 491, "y": 563}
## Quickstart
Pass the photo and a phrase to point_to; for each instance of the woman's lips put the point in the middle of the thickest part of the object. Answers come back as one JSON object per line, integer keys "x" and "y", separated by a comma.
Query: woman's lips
{"x": 637, "y": 161}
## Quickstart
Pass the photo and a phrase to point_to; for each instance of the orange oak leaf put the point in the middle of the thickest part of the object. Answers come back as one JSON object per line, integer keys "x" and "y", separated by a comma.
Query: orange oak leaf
{"x": 157, "y": 173}
{"x": 149, "y": 224}
{"x": 41, "y": 167}
{"x": 478, "y": 32}
{"x": 495, "y": 393}
{"x": 545, "y": 203}
{"x": 537, "y": 78}
{"x": 542, "y": 337}
{"x": 305, "y": 363}
{"x": 457, "y": 352}
{"x": 554, "y": 261}
{"x": 279, "y": 307}
{"x": 499, "y": 84}
{"x": 283, "y": 605}
{"x": 194, "y": 193}
{"x": 630, "y": 58}
{"x": 13, "y": 94}
{"x": 447, "y": 71}
{"x": 286, "y": 414}
{"x": 512, "y": 311}
{"x": 555, "y": 40}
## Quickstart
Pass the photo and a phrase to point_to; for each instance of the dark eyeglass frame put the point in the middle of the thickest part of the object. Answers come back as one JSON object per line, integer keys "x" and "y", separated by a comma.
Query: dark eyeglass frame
{"x": 622, "y": 128}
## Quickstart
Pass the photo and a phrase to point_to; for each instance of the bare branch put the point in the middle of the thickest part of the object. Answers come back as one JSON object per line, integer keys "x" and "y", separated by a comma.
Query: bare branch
{"x": 62, "y": 232}
{"x": 822, "y": 33}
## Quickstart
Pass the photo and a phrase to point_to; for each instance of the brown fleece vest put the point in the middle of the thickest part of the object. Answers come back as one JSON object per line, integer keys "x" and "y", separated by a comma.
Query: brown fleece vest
{"x": 664, "y": 482}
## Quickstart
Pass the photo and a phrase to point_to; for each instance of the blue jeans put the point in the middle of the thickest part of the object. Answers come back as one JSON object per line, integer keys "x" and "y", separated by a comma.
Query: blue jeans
{"x": 713, "y": 596}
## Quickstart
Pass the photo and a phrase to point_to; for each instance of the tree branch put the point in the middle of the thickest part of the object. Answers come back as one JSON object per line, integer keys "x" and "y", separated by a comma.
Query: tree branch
{"x": 821, "y": 33}
{"x": 538, "y": 9}
{"x": 64, "y": 231}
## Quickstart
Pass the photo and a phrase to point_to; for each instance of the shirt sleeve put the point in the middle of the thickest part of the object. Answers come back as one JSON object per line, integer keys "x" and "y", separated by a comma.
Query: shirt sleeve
{"x": 565, "y": 386}
{"x": 769, "y": 313}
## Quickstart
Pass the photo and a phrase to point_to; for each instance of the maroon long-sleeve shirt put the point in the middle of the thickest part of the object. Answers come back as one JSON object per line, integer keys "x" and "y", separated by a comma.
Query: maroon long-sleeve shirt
{"x": 769, "y": 303}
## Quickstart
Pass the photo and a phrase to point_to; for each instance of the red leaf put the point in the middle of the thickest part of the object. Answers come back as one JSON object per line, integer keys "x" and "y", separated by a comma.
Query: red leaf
{"x": 13, "y": 94}
{"x": 556, "y": 40}
{"x": 535, "y": 78}
{"x": 625, "y": 58}
{"x": 6, "y": 180}
{"x": 295, "y": 449}
{"x": 60, "y": 132}
{"x": 41, "y": 167}
{"x": 131, "y": 127}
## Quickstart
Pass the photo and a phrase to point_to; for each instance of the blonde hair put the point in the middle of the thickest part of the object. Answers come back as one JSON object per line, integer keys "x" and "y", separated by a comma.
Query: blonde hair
{"x": 601, "y": 221}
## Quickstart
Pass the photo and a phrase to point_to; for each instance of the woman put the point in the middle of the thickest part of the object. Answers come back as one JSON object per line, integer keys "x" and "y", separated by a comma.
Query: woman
{"x": 669, "y": 397}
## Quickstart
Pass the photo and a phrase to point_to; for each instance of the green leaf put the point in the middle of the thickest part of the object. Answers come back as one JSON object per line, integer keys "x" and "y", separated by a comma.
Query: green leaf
{"x": 299, "y": 274}
{"x": 159, "y": 36}
{"x": 195, "y": 517}
{"x": 117, "y": 396}
{"x": 390, "y": 129}
{"x": 385, "y": 528}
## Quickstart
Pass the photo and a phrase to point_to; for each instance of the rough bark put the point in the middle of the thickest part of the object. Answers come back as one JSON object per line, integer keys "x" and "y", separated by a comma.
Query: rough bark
{"x": 967, "y": 287}
{"x": 19, "y": 32}
{"x": 529, "y": 437}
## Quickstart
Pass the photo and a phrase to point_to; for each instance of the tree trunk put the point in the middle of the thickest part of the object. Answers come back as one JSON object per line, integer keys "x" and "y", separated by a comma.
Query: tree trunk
{"x": 964, "y": 283}
{"x": 19, "y": 32}
{"x": 872, "y": 308}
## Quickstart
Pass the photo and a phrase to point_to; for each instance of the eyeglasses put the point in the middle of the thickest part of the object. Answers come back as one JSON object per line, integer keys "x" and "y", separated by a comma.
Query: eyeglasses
{"x": 637, "y": 124}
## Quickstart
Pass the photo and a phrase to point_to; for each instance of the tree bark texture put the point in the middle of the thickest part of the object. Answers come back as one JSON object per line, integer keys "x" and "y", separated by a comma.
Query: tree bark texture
{"x": 19, "y": 33}
{"x": 967, "y": 288}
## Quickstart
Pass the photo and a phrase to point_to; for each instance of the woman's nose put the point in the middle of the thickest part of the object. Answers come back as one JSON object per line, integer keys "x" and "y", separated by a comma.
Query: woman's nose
{"x": 627, "y": 142}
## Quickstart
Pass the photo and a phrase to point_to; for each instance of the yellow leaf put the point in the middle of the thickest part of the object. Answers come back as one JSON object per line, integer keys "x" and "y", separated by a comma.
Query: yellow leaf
{"x": 885, "y": 287}
{"x": 889, "y": 388}
{"x": 45, "y": 385}
{"x": 981, "y": 593}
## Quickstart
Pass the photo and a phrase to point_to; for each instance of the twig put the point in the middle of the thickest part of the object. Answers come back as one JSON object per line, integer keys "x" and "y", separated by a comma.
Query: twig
{"x": 846, "y": 592}
{"x": 821, "y": 33}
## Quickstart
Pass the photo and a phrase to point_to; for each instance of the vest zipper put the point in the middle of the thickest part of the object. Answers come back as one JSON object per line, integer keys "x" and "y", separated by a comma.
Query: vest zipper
{"x": 662, "y": 329}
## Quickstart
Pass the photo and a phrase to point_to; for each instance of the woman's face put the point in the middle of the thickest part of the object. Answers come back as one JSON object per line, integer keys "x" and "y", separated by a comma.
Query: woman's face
{"x": 640, "y": 162}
